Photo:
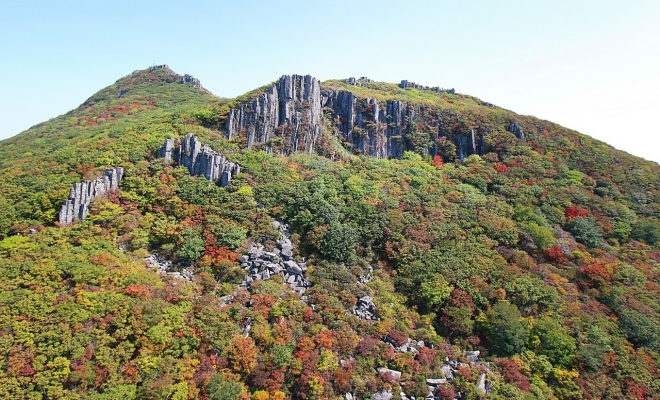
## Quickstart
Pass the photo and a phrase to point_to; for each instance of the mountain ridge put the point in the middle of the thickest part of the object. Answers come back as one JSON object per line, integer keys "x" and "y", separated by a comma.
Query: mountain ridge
{"x": 478, "y": 251}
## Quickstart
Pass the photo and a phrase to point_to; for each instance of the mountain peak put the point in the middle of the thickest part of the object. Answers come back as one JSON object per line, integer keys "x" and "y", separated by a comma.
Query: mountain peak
{"x": 160, "y": 73}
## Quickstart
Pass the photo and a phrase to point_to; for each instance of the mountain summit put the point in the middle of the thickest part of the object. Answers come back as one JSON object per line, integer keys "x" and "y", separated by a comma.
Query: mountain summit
{"x": 346, "y": 239}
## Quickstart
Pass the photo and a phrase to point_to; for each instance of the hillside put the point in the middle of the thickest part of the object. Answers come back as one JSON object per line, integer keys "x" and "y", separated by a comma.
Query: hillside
{"x": 342, "y": 239}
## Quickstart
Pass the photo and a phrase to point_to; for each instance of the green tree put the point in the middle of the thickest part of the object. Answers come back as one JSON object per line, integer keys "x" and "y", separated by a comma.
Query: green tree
{"x": 641, "y": 329}
{"x": 434, "y": 292}
{"x": 220, "y": 389}
{"x": 647, "y": 230}
{"x": 192, "y": 247}
{"x": 340, "y": 241}
{"x": 226, "y": 232}
{"x": 554, "y": 342}
{"x": 542, "y": 236}
{"x": 585, "y": 230}
{"x": 508, "y": 333}
{"x": 7, "y": 216}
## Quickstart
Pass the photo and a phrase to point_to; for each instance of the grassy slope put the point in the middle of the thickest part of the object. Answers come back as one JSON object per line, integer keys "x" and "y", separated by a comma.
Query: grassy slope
{"x": 39, "y": 165}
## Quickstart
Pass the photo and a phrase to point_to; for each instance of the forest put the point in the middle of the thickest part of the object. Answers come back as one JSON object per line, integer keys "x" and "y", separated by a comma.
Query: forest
{"x": 528, "y": 271}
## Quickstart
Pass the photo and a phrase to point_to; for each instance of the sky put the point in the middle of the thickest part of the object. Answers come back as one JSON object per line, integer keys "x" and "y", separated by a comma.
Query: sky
{"x": 592, "y": 66}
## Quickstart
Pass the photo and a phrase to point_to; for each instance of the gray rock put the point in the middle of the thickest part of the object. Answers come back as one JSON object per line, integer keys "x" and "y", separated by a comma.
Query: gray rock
{"x": 81, "y": 195}
{"x": 287, "y": 252}
{"x": 293, "y": 267}
{"x": 472, "y": 356}
{"x": 382, "y": 395}
{"x": 447, "y": 370}
{"x": 191, "y": 81}
{"x": 514, "y": 127}
{"x": 435, "y": 381}
{"x": 294, "y": 102}
{"x": 396, "y": 375}
{"x": 292, "y": 109}
{"x": 199, "y": 159}
{"x": 481, "y": 385}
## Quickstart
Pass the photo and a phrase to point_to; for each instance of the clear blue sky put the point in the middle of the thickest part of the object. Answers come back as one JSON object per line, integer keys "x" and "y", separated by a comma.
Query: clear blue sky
{"x": 593, "y": 66}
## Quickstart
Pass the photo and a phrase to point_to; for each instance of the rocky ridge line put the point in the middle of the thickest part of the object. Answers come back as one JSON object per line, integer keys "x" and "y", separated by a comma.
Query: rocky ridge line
{"x": 290, "y": 115}
{"x": 82, "y": 194}
{"x": 199, "y": 159}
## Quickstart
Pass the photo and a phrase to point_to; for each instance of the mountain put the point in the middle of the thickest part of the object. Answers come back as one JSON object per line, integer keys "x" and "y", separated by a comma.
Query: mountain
{"x": 339, "y": 239}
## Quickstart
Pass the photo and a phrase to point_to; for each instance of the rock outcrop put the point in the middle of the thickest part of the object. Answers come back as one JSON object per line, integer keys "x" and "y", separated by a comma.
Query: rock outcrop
{"x": 412, "y": 85}
{"x": 365, "y": 309}
{"x": 82, "y": 194}
{"x": 165, "y": 267}
{"x": 290, "y": 109}
{"x": 199, "y": 159}
{"x": 261, "y": 264}
{"x": 290, "y": 115}
{"x": 190, "y": 80}
{"x": 371, "y": 128}
{"x": 514, "y": 128}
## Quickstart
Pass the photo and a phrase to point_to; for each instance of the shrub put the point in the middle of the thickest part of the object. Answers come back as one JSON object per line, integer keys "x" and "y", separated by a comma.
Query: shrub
{"x": 585, "y": 230}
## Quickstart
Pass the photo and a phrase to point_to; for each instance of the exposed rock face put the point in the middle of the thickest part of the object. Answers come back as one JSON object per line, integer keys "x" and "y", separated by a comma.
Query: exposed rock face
{"x": 514, "y": 128}
{"x": 289, "y": 117}
{"x": 199, "y": 159}
{"x": 164, "y": 267}
{"x": 290, "y": 109}
{"x": 373, "y": 130}
{"x": 383, "y": 395}
{"x": 82, "y": 194}
{"x": 191, "y": 80}
{"x": 412, "y": 85}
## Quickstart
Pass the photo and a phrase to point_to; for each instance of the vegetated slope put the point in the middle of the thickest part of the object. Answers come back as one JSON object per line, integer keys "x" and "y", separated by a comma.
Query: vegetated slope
{"x": 120, "y": 123}
{"x": 541, "y": 253}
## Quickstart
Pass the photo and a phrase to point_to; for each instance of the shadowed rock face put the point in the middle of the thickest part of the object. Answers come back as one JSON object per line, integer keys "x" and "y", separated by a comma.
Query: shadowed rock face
{"x": 295, "y": 109}
{"x": 514, "y": 128}
{"x": 199, "y": 159}
{"x": 82, "y": 194}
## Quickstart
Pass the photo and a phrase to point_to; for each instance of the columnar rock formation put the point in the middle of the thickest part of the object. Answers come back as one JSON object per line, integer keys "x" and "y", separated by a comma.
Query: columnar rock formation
{"x": 199, "y": 159}
{"x": 514, "y": 128}
{"x": 82, "y": 194}
{"x": 373, "y": 129}
{"x": 291, "y": 109}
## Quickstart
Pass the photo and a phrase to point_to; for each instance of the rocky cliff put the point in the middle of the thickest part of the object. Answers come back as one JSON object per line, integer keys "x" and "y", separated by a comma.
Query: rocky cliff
{"x": 290, "y": 109}
{"x": 82, "y": 194}
{"x": 295, "y": 110}
{"x": 199, "y": 159}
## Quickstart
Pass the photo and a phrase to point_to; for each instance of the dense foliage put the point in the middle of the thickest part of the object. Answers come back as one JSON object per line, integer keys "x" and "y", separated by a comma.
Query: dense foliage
{"x": 540, "y": 253}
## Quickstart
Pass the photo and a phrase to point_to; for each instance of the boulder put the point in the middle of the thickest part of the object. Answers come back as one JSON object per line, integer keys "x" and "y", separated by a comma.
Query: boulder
{"x": 396, "y": 375}
{"x": 382, "y": 395}
{"x": 293, "y": 267}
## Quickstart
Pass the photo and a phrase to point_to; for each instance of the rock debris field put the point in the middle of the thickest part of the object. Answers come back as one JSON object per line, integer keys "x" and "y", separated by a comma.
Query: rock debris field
{"x": 261, "y": 264}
